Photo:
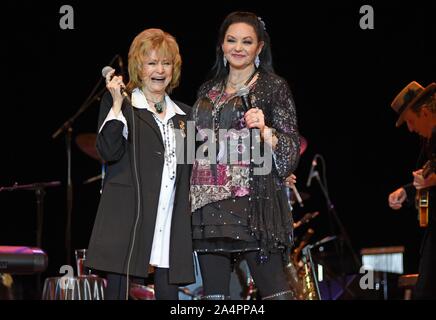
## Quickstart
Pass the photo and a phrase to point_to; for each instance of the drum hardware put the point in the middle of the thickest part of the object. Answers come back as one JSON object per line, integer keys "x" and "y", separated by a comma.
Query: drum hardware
{"x": 39, "y": 188}
{"x": 87, "y": 144}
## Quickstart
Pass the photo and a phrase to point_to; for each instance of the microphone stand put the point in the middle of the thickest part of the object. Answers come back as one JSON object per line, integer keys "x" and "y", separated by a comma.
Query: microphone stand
{"x": 68, "y": 129}
{"x": 307, "y": 255}
{"x": 343, "y": 234}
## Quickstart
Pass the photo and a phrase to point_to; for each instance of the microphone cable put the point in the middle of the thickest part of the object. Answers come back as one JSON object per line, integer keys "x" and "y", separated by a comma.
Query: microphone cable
{"x": 138, "y": 195}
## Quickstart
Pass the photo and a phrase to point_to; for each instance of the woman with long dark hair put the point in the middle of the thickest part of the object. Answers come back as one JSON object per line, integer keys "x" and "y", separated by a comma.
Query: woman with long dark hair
{"x": 245, "y": 118}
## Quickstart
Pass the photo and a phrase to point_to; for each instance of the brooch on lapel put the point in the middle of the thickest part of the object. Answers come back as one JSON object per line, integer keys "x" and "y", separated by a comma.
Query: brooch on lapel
{"x": 182, "y": 128}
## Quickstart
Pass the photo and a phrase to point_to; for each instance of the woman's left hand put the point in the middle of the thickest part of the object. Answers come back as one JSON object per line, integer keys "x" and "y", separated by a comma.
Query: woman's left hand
{"x": 291, "y": 180}
{"x": 254, "y": 118}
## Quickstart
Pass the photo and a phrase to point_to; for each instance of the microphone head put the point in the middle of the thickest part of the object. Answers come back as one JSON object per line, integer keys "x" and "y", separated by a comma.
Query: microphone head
{"x": 244, "y": 91}
{"x": 106, "y": 70}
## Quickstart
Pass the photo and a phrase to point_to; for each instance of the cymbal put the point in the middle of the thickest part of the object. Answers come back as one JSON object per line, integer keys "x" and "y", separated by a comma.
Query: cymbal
{"x": 303, "y": 145}
{"x": 86, "y": 143}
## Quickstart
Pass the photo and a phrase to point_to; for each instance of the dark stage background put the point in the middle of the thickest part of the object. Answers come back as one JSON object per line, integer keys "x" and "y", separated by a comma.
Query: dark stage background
{"x": 343, "y": 79}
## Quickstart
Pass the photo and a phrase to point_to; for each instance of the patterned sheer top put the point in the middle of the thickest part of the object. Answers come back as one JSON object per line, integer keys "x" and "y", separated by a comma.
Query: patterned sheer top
{"x": 223, "y": 166}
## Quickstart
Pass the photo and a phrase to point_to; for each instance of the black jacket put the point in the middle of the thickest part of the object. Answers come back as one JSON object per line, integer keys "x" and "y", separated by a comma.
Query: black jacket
{"x": 112, "y": 236}
{"x": 426, "y": 286}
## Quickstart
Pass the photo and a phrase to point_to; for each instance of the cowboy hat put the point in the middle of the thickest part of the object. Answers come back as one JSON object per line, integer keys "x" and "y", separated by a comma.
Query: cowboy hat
{"x": 413, "y": 94}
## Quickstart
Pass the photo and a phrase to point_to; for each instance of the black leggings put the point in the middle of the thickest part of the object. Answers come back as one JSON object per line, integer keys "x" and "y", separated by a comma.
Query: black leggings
{"x": 269, "y": 277}
{"x": 116, "y": 286}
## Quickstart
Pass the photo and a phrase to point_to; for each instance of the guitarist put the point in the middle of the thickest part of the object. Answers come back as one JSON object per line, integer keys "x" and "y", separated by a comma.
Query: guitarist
{"x": 416, "y": 106}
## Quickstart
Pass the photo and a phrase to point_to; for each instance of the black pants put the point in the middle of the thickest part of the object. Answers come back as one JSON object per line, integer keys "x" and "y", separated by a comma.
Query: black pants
{"x": 426, "y": 285}
{"x": 269, "y": 277}
{"x": 117, "y": 283}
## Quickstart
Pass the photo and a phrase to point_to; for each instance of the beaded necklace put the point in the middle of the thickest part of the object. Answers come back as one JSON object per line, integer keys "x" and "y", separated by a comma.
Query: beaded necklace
{"x": 170, "y": 148}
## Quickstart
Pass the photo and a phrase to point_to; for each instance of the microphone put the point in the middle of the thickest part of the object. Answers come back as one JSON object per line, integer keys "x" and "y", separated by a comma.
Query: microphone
{"x": 313, "y": 173}
{"x": 104, "y": 73}
{"x": 243, "y": 93}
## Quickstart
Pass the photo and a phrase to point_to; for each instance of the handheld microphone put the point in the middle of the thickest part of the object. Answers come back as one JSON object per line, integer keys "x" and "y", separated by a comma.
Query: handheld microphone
{"x": 313, "y": 173}
{"x": 243, "y": 93}
{"x": 104, "y": 73}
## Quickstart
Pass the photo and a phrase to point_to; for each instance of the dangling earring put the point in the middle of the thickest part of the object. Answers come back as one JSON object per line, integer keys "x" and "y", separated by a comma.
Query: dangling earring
{"x": 225, "y": 61}
{"x": 257, "y": 61}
